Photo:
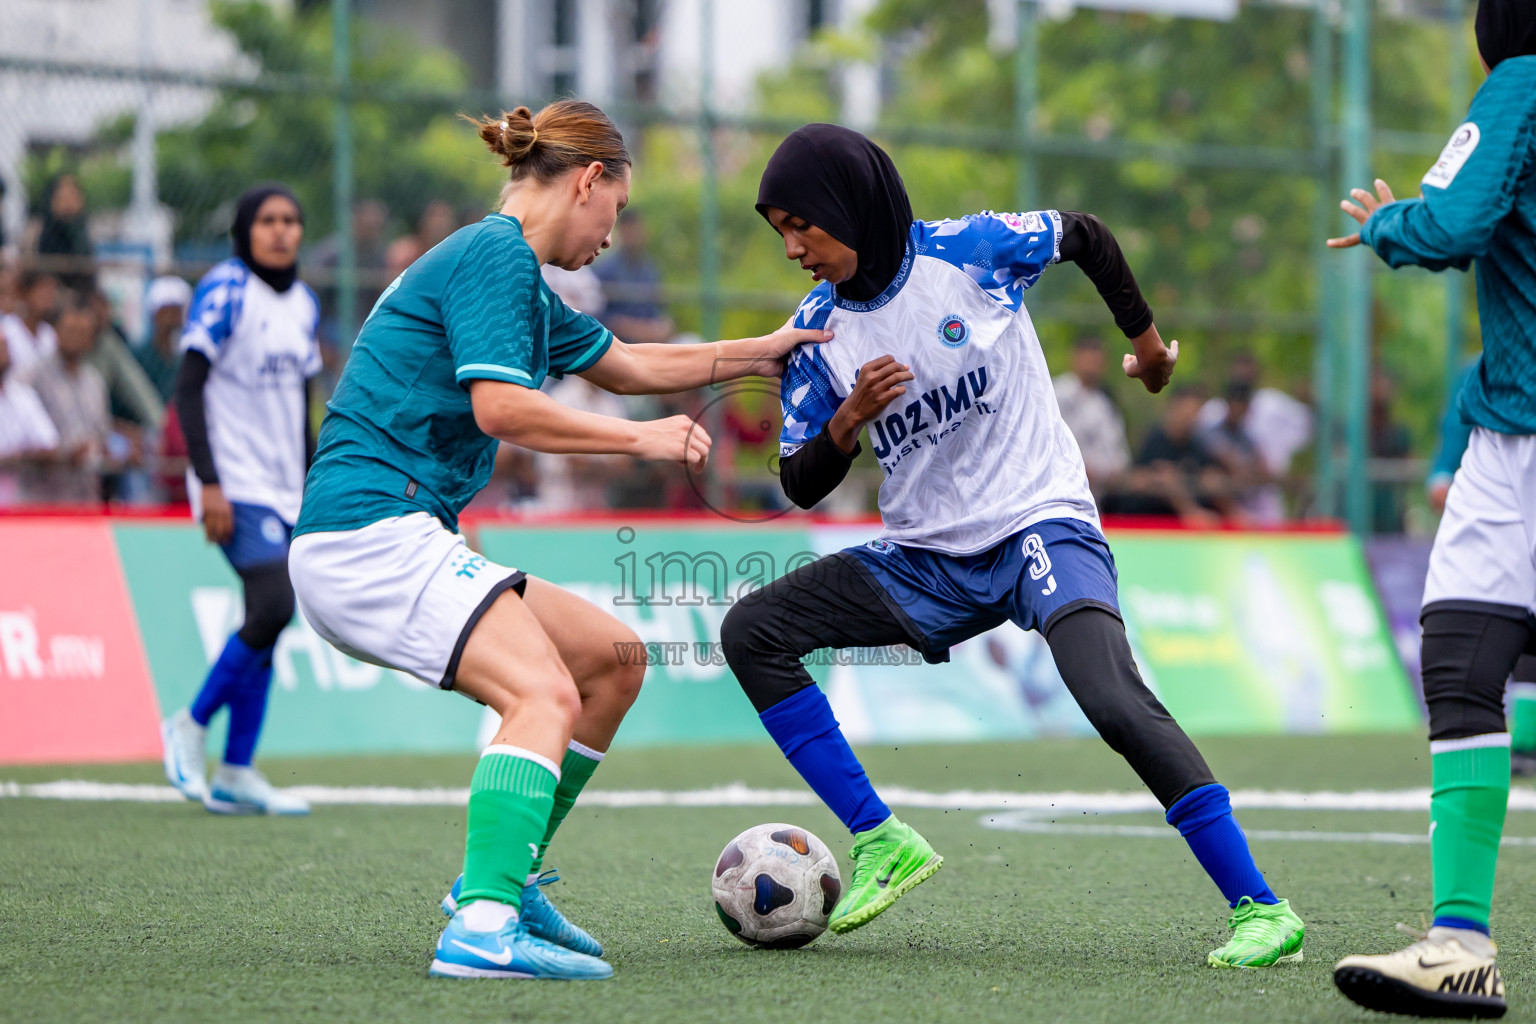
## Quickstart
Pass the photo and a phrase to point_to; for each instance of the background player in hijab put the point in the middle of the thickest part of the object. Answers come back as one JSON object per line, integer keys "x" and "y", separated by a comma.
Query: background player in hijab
{"x": 449, "y": 363}
{"x": 986, "y": 506}
{"x": 1478, "y": 203}
{"x": 242, "y": 398}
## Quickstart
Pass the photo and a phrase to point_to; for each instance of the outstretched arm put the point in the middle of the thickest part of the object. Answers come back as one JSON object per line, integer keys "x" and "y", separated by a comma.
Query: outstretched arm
{"x": 531, "y": 419}
{"x": 664, "y": 369}
{"x": 1468, "y": 192}
{"x": 1088, "y": 243}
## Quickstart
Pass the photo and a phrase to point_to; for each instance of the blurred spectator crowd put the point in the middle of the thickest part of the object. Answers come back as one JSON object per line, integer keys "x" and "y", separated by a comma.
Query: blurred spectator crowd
{"x": 86, "y": 417}
{"x": 1212, "y": 459}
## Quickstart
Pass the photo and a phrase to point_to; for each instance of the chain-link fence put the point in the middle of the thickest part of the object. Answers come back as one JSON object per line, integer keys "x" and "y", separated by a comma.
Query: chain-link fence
{"x": 1215, "y": 149}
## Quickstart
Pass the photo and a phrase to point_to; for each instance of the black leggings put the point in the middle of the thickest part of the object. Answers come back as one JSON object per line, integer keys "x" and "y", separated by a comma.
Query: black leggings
{"x": 835, "y": 603}
{"x": 268, "y": 603}
{"x": 1469, "y": 650}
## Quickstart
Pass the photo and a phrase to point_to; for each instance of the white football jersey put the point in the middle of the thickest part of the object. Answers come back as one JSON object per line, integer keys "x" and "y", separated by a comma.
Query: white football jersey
{"x": 263, "y": 348}
{"x": 976, "y": 449}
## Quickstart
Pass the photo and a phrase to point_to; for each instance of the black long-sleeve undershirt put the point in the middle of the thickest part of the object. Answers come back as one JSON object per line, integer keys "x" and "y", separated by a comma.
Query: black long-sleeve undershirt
{"x": 815, "y": 469}
{"x": 190, "y": 409}
{"x": 818, "y": 466}
{"x": 190, "y": 380}
{"x": 1088, "y": 243}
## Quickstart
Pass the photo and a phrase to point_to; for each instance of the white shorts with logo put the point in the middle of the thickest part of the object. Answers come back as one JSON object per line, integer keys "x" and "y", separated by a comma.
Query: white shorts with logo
{"x": 1485, "y": 549}
{"x": 403, "y": 592}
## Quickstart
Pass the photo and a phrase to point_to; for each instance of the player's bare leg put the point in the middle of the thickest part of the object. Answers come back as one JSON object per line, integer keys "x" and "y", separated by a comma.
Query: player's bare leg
{"x": 510, "y": 665}
{"x": 591, "y": 644}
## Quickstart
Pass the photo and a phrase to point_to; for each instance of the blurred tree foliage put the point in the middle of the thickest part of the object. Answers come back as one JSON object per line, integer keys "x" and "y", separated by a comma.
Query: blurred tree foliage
{"x": 1200, "y": 239}
{"x": 407, "y": 152}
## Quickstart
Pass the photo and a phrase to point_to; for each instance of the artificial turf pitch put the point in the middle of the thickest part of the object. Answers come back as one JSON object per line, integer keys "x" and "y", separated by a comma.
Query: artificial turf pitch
{"x": 160, "y": 912}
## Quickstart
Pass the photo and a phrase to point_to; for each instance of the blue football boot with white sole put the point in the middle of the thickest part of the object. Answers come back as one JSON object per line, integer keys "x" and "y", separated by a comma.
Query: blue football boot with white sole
{"x": 540, "y": 917}
{"x": 183, "y": 742}
{"x": 241, "y": 789}
{"x": 509, "y": 953}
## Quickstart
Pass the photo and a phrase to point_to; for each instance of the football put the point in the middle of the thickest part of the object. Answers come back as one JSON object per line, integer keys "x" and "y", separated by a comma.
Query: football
{"x": 775, "y": 885}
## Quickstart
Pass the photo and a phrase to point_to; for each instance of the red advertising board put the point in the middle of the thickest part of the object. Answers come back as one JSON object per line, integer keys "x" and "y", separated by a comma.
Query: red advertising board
{"x": 74, "y": 683}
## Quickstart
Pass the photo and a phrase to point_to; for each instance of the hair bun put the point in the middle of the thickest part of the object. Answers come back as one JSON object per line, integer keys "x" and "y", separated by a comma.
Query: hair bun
{"x": 564, "y": 135}
{"x": 511, "y": 137}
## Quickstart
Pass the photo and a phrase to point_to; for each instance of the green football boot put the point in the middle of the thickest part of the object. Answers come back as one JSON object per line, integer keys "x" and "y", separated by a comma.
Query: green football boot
{"x": 888, "y": 862}
{"x": 1263, "y": 935}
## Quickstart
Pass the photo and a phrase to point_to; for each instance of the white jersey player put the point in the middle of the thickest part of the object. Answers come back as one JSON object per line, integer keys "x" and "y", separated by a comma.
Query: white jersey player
{"x": 955, "y": 313}
{"x": 985, "y": 503}
{"x": 249, "y": 350}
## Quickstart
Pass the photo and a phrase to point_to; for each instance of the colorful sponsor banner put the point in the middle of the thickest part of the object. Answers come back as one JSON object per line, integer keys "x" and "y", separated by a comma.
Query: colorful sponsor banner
{"x": 74, "y": 685}
{"x": 322, "y": 701}
{"x": 673, "y": 587}
{"x": 1235, "y": 633}
{"x": 1253, "y": 633}
{"x": 1399, "y": 565}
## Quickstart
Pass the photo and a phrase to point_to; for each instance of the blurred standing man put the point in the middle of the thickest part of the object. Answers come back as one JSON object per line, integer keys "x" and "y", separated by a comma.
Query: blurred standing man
{"x": 632, "y": 285}
{"x": 1093, "y": 417}
{"x": 28, "y": 334}
{"x": 167, "y": 303}
{"x": 27, "y": 435}
{"x": 75, "y": 397}
{"x": 249, "y": 351}
{"x": 1478, "y": 202}
{"x": 1278, "y": 424}
{"x": 136, "y": 405}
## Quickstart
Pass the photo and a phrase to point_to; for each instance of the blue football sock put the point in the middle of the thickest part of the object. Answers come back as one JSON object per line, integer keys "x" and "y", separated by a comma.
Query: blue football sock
{"x": 1204, "y": 818}
{"x": 224, "y": 678}
{"x": 805, "y": 729}
{"x": 247, "y": 708}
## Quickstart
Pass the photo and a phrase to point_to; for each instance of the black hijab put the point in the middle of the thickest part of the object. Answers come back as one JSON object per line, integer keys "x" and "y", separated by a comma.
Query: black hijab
{"x": 846, "y": 185}
{"x": 1505, "y": 28}
{"x": 245, "y": 216}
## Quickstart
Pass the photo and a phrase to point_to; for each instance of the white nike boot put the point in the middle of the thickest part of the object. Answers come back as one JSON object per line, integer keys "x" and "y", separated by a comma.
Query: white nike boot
{"x": 239, "y": 789}
{"x": 1448, "y": 973}
{"x": 184, "y": 743}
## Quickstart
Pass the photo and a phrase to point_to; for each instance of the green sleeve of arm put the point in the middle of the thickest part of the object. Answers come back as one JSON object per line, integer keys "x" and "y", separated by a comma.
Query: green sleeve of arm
{"x": 576, "y": 340}
{"x": 1472, "y": 187}
{"x": 489, "y": 308}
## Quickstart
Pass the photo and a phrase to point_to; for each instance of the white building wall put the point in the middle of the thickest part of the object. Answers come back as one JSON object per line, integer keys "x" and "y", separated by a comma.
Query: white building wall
{"x": 173, "y": 35}
{"x": 750, "y": 37}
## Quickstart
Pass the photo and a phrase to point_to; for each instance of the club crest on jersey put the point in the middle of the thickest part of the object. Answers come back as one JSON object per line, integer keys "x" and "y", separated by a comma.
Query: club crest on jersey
{"x": 954, "y": 331}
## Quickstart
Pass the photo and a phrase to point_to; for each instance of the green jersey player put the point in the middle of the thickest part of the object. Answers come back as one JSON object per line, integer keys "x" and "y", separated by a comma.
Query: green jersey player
{"x": 449, "y": 363}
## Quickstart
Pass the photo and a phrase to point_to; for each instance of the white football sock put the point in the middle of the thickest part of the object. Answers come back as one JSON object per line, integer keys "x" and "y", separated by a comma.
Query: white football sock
{"x": 1471, "y": 940}
{"x": 487, "y": 915}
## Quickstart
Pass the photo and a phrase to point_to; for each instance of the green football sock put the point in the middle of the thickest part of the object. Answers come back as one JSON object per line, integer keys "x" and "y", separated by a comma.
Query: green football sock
{"x": 510, "y": 798}
{"x": 575, "y": 769}
{"x": 1522, "y": 717}
{"x": 1466, "y": 819}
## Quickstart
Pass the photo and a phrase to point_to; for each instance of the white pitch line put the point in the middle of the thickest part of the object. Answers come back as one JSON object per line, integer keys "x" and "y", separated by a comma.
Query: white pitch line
{"x": 741, "y": 795}
{"x": 1025, "y": 821}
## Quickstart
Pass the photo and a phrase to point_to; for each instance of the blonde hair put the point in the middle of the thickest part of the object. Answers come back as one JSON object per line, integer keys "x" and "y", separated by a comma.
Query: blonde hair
{"x": 564, "y": 135}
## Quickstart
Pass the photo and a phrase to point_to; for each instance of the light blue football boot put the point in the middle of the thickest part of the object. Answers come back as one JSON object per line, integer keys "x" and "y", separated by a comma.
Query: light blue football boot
{"x": 509, "y": 953}
{"x": 540, "y": 917}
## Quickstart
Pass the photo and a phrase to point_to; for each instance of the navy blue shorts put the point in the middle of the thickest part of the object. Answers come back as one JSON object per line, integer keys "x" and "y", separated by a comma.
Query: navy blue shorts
{"x": 1032, "y": 578}
{"x": 261, "y": 537}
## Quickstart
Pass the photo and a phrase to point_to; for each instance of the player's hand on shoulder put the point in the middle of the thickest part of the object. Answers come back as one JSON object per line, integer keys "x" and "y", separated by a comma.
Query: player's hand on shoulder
{"x": 776, "y": 347}
{"x": 1152, "y": 362}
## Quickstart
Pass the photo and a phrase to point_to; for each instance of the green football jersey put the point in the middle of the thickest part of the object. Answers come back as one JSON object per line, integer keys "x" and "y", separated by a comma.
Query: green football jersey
{"x": 399, "y": 434}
